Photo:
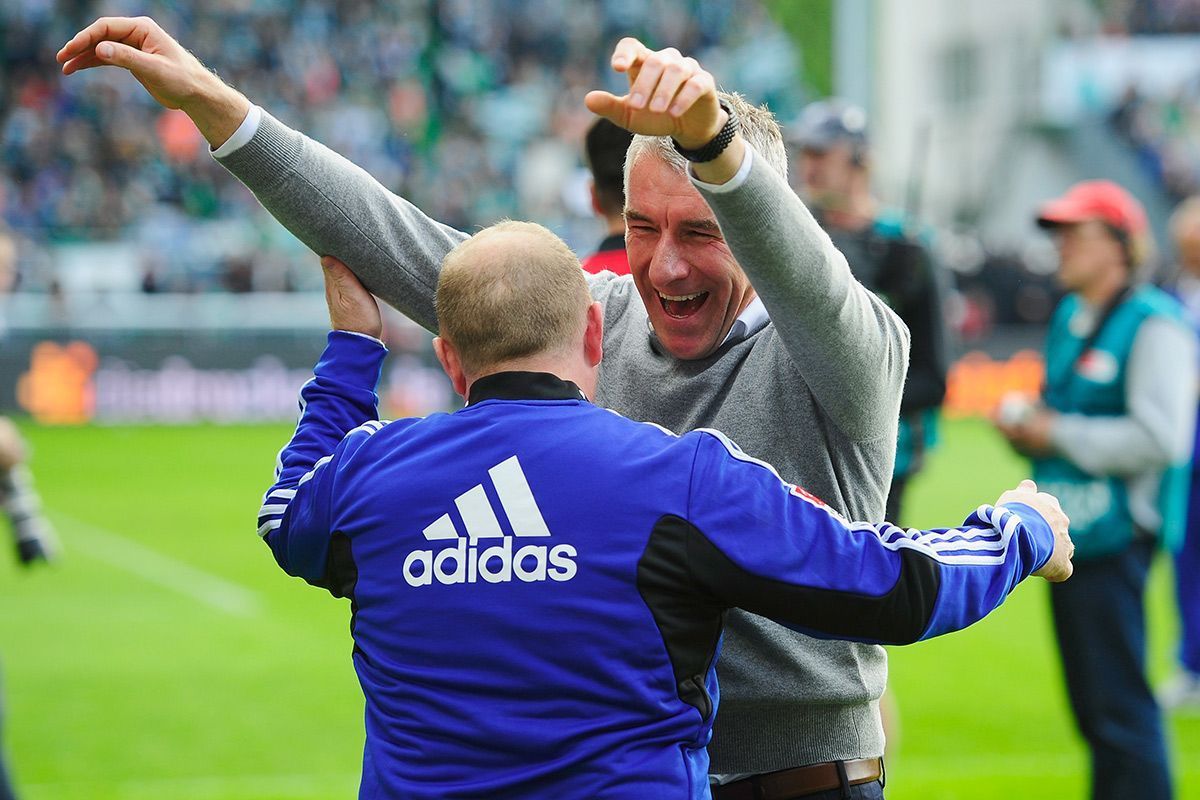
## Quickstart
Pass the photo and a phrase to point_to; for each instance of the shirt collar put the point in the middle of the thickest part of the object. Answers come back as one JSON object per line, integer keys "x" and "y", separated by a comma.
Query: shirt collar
{"x": 753, "y": 317}
{"x": 522, "y": 386}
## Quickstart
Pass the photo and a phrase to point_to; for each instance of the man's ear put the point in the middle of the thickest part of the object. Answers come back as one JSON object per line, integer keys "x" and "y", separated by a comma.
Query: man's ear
{"x": 447, "y": 356}
{"x": 593, "y": 336}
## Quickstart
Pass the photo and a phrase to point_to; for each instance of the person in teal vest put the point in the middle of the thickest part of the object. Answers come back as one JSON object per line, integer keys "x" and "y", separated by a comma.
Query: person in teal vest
{"x": 1111, "y": 438}
{"x": 888, "y": 257}
{"x": 1182, "y": 692}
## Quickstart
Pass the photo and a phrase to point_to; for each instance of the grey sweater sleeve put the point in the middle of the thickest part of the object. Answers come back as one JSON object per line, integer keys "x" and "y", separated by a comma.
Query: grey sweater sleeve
{"x": 1160, "y": 388}
{"x": 337, "y": 209}
{"x": 848, "y": 346}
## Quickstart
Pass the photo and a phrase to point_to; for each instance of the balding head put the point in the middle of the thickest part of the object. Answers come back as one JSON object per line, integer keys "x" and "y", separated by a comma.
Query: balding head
{"x": 511, "y": 293}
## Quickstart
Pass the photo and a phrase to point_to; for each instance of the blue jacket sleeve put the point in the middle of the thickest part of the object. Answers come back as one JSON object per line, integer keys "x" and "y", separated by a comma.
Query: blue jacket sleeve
{"x": 771, "y": 548}
{"x": 338, "y": 410}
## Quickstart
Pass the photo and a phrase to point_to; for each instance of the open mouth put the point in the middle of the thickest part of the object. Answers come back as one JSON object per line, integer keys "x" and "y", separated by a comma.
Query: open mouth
{"x": 682, "y": 306}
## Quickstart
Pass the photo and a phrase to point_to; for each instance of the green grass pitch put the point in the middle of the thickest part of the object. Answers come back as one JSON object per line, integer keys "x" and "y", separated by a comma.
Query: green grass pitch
{"x": 167, "y": 657}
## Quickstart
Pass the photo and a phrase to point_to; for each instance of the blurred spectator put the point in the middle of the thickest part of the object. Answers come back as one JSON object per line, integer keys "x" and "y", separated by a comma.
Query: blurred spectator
{"x": 1184, "y": 689}
{"x": 1163, "y": 133}
{"x": 605, "y": 146}
{"x": 472, "y": 110}
{"x": 1111, "y": 443}
{"x": 1151, "y": 16}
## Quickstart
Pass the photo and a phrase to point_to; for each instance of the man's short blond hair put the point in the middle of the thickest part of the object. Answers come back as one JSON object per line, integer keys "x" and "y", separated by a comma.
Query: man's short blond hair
{"x": 758, "y": 127}
{"x": 512, "y": 291}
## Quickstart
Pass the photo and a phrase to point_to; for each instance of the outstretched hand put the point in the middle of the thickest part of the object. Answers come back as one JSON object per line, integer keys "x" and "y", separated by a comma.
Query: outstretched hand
{"x": 1059, "y": 567}
{"x": 351, "y": 307}
{"x": 172, "y": 75}
{"x": 669, "y": 95}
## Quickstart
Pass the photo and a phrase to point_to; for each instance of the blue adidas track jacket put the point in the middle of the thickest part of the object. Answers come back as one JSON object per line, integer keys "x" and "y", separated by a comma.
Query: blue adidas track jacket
{"x": 538, "y": 585}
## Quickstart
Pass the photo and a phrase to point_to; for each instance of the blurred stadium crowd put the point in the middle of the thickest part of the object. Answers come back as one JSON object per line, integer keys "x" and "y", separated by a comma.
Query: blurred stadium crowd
{"x": 1165, "y": 133}
{"x": 471, "y": 110}
{"x": 1163, "y": 130}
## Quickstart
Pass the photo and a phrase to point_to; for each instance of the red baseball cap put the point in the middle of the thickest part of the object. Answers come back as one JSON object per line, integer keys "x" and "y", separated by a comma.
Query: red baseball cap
{"x": 1095, "y": 200}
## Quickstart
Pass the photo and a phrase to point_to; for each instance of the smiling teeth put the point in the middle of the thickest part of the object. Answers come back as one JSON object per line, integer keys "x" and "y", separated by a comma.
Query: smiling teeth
{"x": 681, "y": 298}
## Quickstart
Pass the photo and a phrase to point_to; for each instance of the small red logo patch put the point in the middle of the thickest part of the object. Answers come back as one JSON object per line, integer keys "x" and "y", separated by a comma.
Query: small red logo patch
{"x": 800, "y": 491}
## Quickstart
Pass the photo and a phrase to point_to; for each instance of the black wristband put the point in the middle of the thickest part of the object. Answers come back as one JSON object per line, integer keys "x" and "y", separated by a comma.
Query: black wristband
{"x": 717, "y": 144}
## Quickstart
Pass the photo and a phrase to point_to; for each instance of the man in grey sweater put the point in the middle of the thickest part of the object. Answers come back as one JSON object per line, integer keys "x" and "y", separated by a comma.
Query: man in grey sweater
{"x": 739, "y": 315}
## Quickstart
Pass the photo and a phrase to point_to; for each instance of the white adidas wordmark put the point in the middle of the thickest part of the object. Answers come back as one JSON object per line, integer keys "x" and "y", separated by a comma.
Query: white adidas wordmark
{"x": 465, "y": 561}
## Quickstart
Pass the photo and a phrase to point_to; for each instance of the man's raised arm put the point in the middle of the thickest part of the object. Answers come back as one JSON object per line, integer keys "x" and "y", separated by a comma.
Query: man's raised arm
{"x": 327, "y": 202}
{"x": 850, "y": 348}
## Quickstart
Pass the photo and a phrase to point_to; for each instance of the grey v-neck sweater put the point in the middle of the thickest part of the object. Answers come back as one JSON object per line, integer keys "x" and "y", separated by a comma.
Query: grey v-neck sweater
{"x": 814, "y": 391}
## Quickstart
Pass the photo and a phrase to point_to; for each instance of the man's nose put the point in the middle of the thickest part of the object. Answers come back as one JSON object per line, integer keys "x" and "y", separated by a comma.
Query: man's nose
{"x": 668, "y": 264}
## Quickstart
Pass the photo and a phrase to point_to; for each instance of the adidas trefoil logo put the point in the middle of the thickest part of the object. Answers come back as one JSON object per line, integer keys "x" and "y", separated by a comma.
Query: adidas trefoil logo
{"x": 466, "y": 561}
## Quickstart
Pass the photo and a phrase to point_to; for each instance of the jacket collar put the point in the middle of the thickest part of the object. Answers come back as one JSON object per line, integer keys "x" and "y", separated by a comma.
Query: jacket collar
{"x": 522, "y": 386}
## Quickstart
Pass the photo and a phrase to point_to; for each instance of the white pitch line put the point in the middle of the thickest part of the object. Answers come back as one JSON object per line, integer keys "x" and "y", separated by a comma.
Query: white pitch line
{"x": 162, "y": 570}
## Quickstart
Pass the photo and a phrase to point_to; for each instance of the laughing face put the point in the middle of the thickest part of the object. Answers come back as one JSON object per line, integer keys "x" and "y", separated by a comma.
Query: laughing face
{"x": 692, "y": 287}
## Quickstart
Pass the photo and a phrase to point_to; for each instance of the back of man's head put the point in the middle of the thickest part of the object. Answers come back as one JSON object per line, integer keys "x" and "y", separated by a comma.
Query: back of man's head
{"x": 511, "y": 292}
{"x": 758, "y": 127}
{"x": 605, "y": 146}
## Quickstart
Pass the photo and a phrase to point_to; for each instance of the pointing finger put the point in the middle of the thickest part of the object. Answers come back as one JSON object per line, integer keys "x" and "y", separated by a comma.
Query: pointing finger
{"x": 105, "y": 28}
{"x": 85, "y": 61}
{"x": 629, "y": 51}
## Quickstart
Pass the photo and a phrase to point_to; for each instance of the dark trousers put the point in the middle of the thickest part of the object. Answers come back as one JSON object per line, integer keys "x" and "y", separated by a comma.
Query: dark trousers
{"x": 864, "y": 791}
{"x": 1187, "y": 582}
{"x": 1100, "y": 622}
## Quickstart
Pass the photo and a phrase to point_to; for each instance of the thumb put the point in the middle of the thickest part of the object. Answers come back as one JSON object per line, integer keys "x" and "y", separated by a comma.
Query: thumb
{"x": 337, "y": 273}
{"x": 122, "y": 55}
{"x": 1027, "y": 486}
{"x": 606, "y": 105}
{"x": 339, "y": 279}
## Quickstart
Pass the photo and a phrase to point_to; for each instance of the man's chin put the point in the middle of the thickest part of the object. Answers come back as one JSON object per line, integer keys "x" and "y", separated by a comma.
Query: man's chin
{"x": 684, "y": 346}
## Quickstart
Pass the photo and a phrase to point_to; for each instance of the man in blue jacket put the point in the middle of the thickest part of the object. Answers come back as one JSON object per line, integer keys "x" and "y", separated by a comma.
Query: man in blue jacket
{"x": 521, "y": 633}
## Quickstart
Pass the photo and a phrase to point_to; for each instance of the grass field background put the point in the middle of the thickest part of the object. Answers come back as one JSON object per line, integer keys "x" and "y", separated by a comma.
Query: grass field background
{"x": 166, "y": 656}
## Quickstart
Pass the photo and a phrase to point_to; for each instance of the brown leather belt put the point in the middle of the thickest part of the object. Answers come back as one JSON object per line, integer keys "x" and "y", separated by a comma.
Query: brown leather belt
{"x": 801, "y": 781}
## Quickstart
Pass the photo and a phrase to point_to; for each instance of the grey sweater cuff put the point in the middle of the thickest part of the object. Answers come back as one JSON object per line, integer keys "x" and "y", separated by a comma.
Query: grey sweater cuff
{"x": 271, "y": 153}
